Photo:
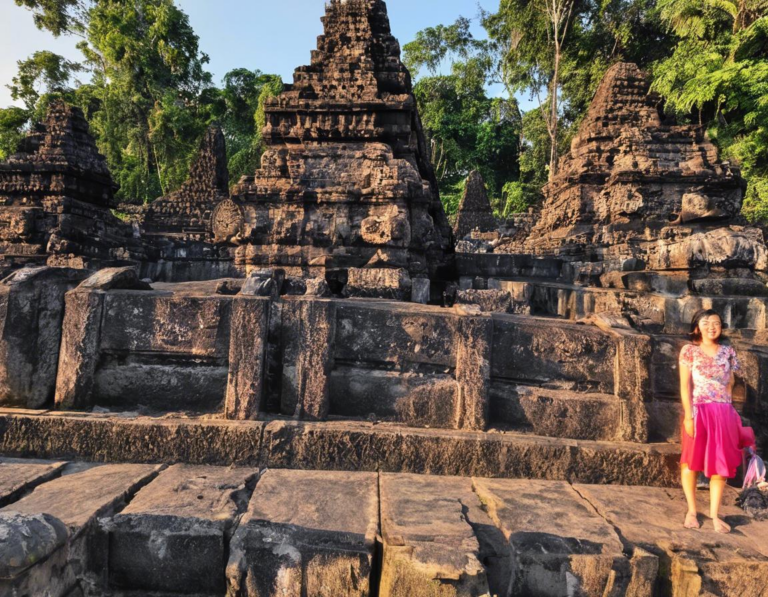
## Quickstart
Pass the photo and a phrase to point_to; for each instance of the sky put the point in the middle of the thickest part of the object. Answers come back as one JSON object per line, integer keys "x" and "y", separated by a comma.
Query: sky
{"x": 273, "y": 36}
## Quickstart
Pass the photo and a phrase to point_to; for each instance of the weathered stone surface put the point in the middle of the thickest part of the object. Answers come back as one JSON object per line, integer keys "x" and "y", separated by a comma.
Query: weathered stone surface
{"x": 31, "y": 314}
{"x": 76, "y": 500}
{"x": 56, "y": 196}
{"x": 359, "y": 446}
{"x": 174, "y": 534}
{"x": 80, "y": 340}
{"x": 345, "y": 181}
{"x": 545, "y": 351}
{"x": 18, "y": 477}
{"x": 691, "y": 562}
{"x": 306, "y": 533}
{"x": 473, "y": 370}
{"x": 475, "y": 211}
{"x": 379, "y": 282}
{"x": 429, "y": 545}
{"x": 489, "y": 301}
{"x": 247, "y": 340}
{"x": 408, "y": 398}
{"x": 169, "y": 348}
{"x": 190, "y": 210}
{"x": 98, "y": 490}
{"x": 339, "y": 445}
{"x": 115, "y": 278}
{"x": 559, "y": 545}
{"x": 556, "y": 413}
{"x": 26, "y": 539}
{"x": 309, "y": 330}
{"x": 97, "y": 438}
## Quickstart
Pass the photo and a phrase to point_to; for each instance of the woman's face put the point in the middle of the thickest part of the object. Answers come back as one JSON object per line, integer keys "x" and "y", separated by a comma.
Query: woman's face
{"x": 710, "y": 327}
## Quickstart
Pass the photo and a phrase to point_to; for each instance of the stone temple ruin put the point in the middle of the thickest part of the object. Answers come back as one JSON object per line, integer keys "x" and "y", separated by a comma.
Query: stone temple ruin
{"x": 299, "y": 388}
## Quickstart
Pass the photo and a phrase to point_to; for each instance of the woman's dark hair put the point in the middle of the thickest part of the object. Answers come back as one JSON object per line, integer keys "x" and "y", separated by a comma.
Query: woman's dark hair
{"x": 697, "y": 317}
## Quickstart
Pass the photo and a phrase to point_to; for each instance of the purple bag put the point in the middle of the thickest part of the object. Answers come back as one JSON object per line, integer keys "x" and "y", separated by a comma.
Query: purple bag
{"x": 755, "y": 473}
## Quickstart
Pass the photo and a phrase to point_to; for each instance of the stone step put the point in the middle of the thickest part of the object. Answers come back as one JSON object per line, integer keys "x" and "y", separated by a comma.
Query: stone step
{"x": 557, "y": 413}
{"x": 330, "y": 533}
{"x": 71, "y": 504}
{"x": 334, "y": 445}
{"x": 177, "y": 530}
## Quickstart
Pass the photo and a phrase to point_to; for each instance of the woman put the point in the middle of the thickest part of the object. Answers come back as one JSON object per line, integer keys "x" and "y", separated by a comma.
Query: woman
{"x": 713, "y": 437}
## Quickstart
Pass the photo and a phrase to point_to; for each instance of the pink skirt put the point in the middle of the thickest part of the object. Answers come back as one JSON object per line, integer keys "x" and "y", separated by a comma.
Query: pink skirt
{"x": 720, "y": 439}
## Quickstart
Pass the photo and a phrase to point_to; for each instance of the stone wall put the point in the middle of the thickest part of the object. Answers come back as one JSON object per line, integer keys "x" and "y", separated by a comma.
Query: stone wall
{"x": 197, "y": 347}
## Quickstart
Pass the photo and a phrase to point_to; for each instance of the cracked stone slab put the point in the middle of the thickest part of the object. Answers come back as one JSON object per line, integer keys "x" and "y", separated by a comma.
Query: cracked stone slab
{"x": 560, "y": 546}
{"x": 81, "y": 497}
{"x": 430, "y": 546}
{"x": 692, "y": 562}
{"x": 173, "y": 536}
{"x": 306, "y": 533}
{"x": 20, "y": 476}
{"x": 75, "y": 500}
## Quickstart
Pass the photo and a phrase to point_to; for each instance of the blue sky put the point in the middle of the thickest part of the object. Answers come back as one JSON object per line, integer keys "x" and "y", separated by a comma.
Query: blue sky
{"x": 272, "y": 36}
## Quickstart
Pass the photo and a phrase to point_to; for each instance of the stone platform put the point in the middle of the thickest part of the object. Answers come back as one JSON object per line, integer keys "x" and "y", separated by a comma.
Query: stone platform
{"x": 120, "y": 529}
{"x": 332, "y": 445}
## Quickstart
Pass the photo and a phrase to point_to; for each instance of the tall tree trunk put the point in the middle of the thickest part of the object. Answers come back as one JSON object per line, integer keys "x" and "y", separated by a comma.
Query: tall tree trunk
{"x": 553, "y": 114}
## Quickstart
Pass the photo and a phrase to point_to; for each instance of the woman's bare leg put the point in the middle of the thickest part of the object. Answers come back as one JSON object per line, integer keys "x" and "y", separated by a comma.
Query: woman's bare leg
{"x": 688, "y": 481}
{"x": 716, "y": 489}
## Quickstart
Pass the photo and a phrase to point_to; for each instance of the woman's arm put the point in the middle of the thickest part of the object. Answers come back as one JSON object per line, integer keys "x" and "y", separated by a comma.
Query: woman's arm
{"x": 685, "y": 397}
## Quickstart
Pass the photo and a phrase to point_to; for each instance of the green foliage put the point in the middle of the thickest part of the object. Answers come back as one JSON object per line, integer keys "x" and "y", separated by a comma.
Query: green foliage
{"x": 465, "y": 129}
{"x": 42, "y": 70}
{"x": 149, "y": 98}
{"x": 602, "y": 32}
{"x": 718, "y": 76}
{"x": 12, "y": 123}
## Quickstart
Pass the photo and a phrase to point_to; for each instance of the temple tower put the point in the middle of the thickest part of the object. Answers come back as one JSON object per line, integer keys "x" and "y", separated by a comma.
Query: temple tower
{"x": 345, "y": 182}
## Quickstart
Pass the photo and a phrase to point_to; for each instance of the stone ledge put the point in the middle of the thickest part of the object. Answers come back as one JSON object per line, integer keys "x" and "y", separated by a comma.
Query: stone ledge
{"x": 335, "y": 445}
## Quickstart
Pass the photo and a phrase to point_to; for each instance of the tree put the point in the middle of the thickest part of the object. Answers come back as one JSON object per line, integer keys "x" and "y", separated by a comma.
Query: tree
{"x": 718, "y": 77}
{"x": 465, "y": 129}
{"x": 43, "y": 71}
{"x": 564, "y": 69}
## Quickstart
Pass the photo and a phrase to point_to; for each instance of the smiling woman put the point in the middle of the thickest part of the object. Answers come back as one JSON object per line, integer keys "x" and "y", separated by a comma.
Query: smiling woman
{"x": 713, "y": 437}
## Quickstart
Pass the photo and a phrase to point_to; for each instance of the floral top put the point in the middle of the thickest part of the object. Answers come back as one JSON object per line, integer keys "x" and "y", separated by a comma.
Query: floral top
{"x": 711, "y": 375}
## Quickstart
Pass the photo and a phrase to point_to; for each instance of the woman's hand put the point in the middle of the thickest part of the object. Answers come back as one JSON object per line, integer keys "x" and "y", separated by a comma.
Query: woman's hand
{"x": 690, "y": 428}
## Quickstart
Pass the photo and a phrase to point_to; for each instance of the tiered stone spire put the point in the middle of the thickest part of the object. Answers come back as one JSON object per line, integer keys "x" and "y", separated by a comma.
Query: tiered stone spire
{"x": 190, "y": 209}
{"x": 55, "y": 196}
{"x": 636, "y": 185}
{"x": 345, "y": 180}
{"x": 475, "y": 212}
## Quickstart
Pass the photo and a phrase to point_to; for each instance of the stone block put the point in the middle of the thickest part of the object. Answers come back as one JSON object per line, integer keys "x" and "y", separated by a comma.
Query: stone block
{"x": 420, "y": 290}
{"x": 542, "y": 351}
{"x": 412, "y": 399}
{"x": 395, "y": 336}
{"x": 76, "y": 500}
{"x": 473, "y": 370}
{"x": 489, "y": 301}
{"x": 559, "y": 545}
{"x": 388, "y": 283}
{"x": 115, "y": 278}
{"x": 430, "y": 548}
{"x": 80, "y": 344}
{"x": 26, "y": 539}
{"x": 18, "y": 477}
{"x": 247, "y": 346}
{"x": 556, "y": 413}
{"x": 31, "y": 314}
{"x": 173, "y": 536}
{"x": 691, "y": 562}
{"x": 156, "y": 322}
{"x": 306, "y": 533}
{"x": 309, "y": 330}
